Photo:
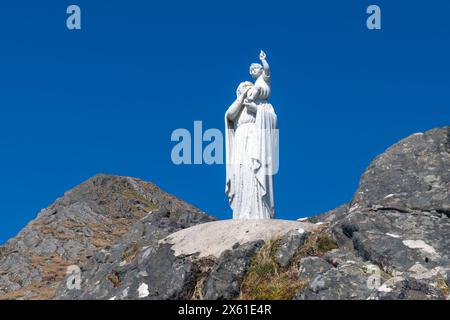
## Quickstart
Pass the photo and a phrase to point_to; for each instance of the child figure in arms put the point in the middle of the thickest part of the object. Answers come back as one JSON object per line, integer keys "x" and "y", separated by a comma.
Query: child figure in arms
{"x": 251, "y": 140}
{"x": 260, "y": 92}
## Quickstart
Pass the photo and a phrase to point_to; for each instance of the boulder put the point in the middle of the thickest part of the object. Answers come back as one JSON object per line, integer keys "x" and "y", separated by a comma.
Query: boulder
{"x": 224, "y": 280}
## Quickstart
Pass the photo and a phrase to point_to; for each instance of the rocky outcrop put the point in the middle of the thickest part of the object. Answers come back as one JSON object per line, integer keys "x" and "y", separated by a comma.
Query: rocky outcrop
{"x": 79, "y": 225}
{"x": 225, "y": 278}
{"x": 133, "y": 241}
{"x": 137, "y": 266}
{"x": 340, "y": 275}
{"x": 398, "y": 222}
{"x": 177, "y": 257}
{"x": 212, "y": 239}
{"x": 412, "y": 175}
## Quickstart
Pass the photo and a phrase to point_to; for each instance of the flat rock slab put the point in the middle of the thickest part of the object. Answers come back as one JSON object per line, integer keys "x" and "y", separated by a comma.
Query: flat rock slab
{"x": 213, "y": 238}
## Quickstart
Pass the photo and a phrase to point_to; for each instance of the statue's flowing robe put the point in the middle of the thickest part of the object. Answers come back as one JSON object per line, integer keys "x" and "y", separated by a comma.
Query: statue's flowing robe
{"x": 251, "y": 162}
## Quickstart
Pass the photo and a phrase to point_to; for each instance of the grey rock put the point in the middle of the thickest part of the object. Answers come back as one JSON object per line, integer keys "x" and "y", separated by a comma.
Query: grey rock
{"x": 167, "y": 276}
{"x": 226, "y": 277}
{"x": 396, "y": 241}
{"x": 311, "y": 267}
{"x": 411, "y": 175}
{"x": 338, "y": 274}
{"x": 289, "y": 245}
{"x": 407, "y": 288}
{"x": 347, "y": 282}
{"x": 339, "y": 257}
{"x": 398, "y": 220}
{"x": 87, "y": 219}
{"x": 137, "y": 259}
{"x": 330, "y": 216}
{"x": 396, "y": 223}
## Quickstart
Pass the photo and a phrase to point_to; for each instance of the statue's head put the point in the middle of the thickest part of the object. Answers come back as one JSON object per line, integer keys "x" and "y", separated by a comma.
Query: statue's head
{"x": 256, "y": 70}
{"x": 243, "y": 88}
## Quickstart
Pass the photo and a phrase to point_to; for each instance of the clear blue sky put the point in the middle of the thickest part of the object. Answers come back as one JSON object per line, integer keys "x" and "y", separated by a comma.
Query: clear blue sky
{"x": 106, "y": 99}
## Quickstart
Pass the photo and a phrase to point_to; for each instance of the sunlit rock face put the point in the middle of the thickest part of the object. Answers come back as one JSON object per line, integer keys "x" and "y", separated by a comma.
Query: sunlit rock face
{"x": 398, "y": 219}
{"x": 85, "y": 220}
{"x": 134, "y": 241}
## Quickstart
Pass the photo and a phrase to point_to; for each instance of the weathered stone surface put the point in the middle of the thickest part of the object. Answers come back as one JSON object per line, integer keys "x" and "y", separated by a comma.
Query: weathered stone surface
{"x": 78, "y": 225}
{"x": 182, "y": 267}
{"x": 136, "y": 259}
{"x": 398, "y": 221}
{"x": 411, "y": 175}
{"x": 311, "y": 267}
{"x": 133, "y": 241}
{"x": 396, "y": 240}
{"x": 337, "y": 275}
{"x": 407, "y": 288}
{"x": 288, "y": 246}
{"x": 330, "y": 216}
{"x": 226, "y": 276}
{"x": 211, "y": 239}
{"x": 347, "y": 282}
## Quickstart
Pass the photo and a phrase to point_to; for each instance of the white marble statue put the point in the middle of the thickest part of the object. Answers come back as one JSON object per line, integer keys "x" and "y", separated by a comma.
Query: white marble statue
{"x": 252, "y": 147}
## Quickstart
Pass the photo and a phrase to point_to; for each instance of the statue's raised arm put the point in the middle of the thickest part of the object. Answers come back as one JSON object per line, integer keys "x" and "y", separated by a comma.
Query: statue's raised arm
{"x": 266, "y": 67}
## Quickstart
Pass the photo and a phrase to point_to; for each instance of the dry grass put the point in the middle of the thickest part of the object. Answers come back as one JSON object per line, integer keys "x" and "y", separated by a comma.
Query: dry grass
{"x": 149, "y": 205}
{"x": 443, "y": 285}
{"x": 267, "y": 280}
{"x": 114, "y": 277}
{"x": 104, "y": 232}
{"x": 199, "y": 285}
{"x": 70, "y": 224}
{"x": 53, "y": 270}
{"x": 201, "y": 268}
{"x": 32, "y": 292}
{"x": 100, "y": 242}
{"x": 317, "y": 244}
{"x": 52, "y": 267}
{"x": 130, "y": 253}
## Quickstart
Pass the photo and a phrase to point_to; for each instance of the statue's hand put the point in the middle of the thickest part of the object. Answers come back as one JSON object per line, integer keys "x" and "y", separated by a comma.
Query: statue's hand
{"x": 262, "y": 55}
{"x": 243, "y": 96}
{"x": 251, "y": 106}
{"x": 247, "y": 90}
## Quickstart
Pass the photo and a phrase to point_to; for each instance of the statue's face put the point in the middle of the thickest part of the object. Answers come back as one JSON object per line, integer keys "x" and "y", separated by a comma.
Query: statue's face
{"x": 255, "y": 70}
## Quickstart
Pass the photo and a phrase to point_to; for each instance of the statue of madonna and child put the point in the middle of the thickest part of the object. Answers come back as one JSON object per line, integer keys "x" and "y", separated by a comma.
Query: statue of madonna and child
{"x": 251, "y": 142}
